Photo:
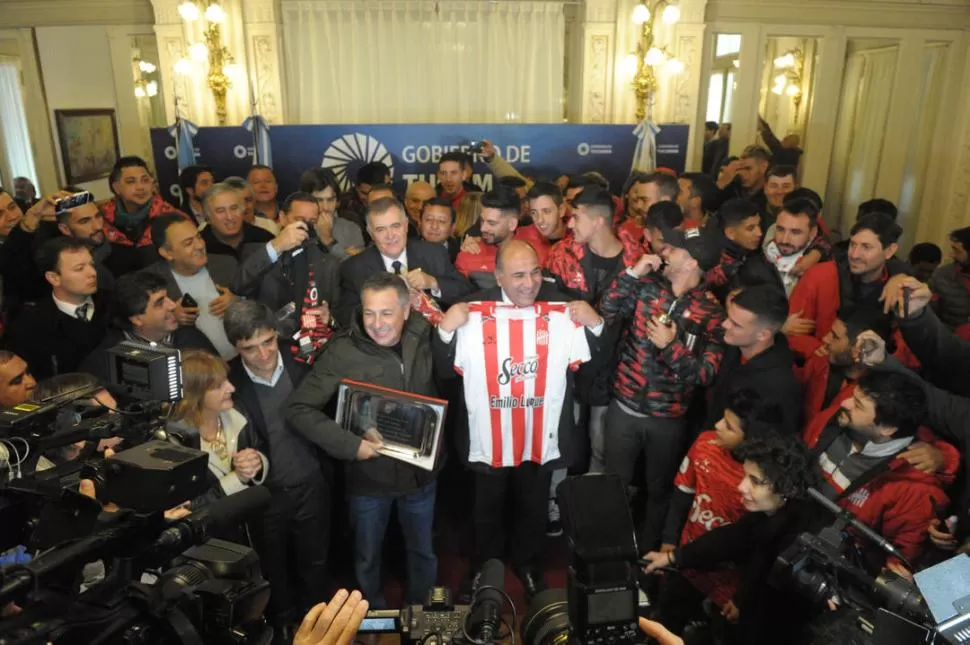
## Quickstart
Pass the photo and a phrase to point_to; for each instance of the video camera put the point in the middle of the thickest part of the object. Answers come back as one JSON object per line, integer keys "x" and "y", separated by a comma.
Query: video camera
{"x": 602, "y": 599}
{"x": 888, "y": 608}
{"x": 166, "y": 582}
{"x": 600, "y": 604}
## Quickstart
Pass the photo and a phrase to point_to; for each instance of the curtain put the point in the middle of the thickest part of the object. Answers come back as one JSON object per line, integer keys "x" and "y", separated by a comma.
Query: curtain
{"x": 423, "y": 61}
{"x": 921, "y": 139}
{"x": 13, "y": 125}
{"x": 860, "y": 132}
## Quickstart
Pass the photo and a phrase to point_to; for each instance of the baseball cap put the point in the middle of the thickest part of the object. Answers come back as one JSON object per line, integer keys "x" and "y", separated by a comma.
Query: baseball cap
{"x": 702, "y": 245}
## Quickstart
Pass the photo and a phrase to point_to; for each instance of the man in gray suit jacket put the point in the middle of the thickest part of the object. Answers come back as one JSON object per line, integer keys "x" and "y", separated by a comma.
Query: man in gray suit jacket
{"x": 190, "y": 272}
{"x": 295, "y": 273}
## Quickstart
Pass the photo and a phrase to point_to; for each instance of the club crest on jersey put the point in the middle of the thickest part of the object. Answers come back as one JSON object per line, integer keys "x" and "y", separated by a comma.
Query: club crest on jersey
{"x": 518, "y": 371}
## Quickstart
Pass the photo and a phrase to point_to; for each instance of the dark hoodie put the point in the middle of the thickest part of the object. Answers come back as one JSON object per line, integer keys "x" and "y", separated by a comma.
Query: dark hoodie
{"x": 770, "y": 374}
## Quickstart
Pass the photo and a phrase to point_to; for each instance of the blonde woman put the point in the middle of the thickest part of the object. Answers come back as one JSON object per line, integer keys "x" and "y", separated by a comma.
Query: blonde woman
{"x": 206, "y": 419}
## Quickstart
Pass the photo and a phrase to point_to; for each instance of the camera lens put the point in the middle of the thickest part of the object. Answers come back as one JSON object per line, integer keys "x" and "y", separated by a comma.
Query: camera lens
{"x": 547, "y": 621}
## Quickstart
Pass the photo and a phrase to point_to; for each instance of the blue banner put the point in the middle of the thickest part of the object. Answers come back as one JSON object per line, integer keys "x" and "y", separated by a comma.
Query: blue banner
{"x": 412, "y": 151}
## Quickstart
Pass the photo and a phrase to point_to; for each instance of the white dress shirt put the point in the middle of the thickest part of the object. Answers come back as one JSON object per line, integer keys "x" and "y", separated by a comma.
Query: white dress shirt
{"x": 71, "y": 310}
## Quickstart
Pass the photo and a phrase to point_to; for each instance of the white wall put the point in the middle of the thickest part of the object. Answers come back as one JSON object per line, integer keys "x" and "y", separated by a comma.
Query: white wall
{"x": 85, "y": 67}
{"x": 76, "y": 66}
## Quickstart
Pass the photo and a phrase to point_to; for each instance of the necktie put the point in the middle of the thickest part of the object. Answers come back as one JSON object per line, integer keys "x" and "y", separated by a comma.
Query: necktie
{"x": 397, "y": 266}
{"x": 82, "y": 311}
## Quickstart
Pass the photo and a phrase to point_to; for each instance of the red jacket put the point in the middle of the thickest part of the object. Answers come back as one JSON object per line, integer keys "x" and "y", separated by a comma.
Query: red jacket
{"x": 484, "y": 260}
{"x": 817, "y": 297}
{"x": 114, "y": 236}
{"x": 898, "y": 503}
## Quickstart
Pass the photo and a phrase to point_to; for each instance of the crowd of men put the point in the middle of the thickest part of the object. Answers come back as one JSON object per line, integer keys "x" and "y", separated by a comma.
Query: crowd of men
{"x": 676, "y": 318}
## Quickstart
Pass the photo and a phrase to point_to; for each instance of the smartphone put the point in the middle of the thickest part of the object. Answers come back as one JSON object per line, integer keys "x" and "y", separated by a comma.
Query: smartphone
{"x": 73, "y": 201}
{"x": 189, "y": 301}
{"x": 476, "y": 146}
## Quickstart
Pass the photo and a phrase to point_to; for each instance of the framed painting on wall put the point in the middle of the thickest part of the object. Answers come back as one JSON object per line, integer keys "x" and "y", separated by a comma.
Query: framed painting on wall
{"x": 89, "y": 143}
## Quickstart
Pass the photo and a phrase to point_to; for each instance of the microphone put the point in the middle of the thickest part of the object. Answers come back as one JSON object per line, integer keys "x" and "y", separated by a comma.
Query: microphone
{"x": 489, "y": 599}
{"x": 882, "y": 542}
{"x": 223, "y": 513}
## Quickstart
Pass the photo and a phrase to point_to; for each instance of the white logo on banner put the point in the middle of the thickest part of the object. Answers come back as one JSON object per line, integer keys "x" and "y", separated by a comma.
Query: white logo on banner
{"x": 582, "y": 149}
{"x": 354, "y": 147}
{"x": 170, "y": 152}
{"x": 240, "y": 152}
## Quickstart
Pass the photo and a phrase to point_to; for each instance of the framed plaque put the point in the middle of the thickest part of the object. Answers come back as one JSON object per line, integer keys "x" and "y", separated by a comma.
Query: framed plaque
{"x": 409, "y": 425}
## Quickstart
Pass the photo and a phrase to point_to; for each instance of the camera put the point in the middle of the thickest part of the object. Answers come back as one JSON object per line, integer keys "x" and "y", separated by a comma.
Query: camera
{"x": 601, "y": 602}
{"x": 162, "y": 581}
{"x": 437, "y": 621}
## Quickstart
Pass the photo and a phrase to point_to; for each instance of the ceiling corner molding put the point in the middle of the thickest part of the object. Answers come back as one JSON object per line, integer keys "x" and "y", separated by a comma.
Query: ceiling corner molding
{"x": 50, "y": 13}
{"x": 903, "y": 14}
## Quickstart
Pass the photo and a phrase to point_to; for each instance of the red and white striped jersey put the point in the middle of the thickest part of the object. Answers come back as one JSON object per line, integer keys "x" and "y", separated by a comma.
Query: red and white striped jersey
{"x": 514, "y": 363}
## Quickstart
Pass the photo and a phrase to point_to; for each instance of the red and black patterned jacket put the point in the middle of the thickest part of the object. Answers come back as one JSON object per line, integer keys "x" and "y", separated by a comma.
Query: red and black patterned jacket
{"x": 571, "y": 265}
{"x": 661, "y": 382}
{"x": 565, "y": 262}
{"x": 129, "y": 254}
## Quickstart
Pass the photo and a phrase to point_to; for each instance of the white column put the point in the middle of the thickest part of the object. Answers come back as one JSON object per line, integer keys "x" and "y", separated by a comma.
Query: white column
{"x": 955, "y": 201}
{"x": 262, "y": 27}
{"x": 598, "y": 42}
{"x": 823, "y": 112}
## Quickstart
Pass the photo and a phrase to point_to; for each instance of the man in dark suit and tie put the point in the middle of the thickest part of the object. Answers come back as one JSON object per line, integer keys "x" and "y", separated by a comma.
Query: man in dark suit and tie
{"x": 296, "y": 271}
{"x": 526, "y": 487}
{"x": 57, "y": 333}
{"x": 425, "y": 266}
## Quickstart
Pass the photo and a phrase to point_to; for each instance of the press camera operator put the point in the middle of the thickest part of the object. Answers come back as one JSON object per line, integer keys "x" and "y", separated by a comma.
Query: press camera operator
{"x": 777, "y": 475}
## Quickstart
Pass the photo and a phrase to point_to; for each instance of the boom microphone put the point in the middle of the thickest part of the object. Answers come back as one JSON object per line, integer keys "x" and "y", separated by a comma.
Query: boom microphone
{"x": 220, "y": 514}
{"x": 489, "y": 600}
{"x": 831, "y": 506}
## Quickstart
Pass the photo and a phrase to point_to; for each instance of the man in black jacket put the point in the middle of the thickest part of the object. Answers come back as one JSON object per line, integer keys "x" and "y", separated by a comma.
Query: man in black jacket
{"x": 386, "y": 346}
{"x": 425, "y": 266}
{"x": 528, "y": 484}
{"x": 143, "y": 313}
{"x": 295, "y": 271}
{"x": 293, "y": 537}
{"x": 757, "y": 356}
{"x": 55, "y": 335}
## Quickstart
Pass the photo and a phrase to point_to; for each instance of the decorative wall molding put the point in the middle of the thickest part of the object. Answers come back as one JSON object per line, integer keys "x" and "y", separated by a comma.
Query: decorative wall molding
{"x": 597, "y": 80}
{"x": 48, "y": 13}
{"x": 905, "y": 14}
{"x": 256, "y": 11}
{"x": 687, "y": 85}
{"x": 266, "y": 74}
{"x": 601, "y": 10}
